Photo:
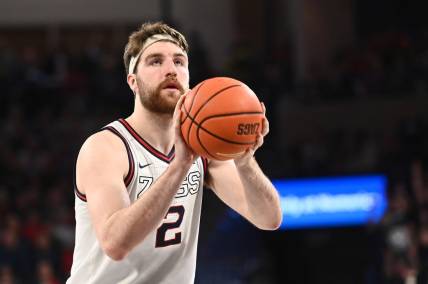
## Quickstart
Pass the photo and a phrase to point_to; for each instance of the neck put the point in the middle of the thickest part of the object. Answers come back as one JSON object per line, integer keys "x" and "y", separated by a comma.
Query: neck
{"x": 155, "y": 128}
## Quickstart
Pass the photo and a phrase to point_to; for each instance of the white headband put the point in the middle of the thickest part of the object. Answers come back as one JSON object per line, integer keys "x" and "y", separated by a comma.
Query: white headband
{"x": 149, "y": 41}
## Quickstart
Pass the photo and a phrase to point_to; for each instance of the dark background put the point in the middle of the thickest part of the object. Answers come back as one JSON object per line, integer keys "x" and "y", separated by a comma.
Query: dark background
{"x": 345, "y": 85}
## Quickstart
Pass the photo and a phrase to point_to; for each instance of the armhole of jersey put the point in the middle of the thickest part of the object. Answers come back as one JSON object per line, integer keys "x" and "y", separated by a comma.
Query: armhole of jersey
{"x": 205, "y": 164}
{"x": 131, "y": 169}
{"x": 80, "y": 195}
{"x": 128, "y": 177}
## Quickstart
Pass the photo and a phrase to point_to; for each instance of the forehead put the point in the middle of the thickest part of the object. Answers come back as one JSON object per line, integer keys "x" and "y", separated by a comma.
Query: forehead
{"x": 165, "y": 48}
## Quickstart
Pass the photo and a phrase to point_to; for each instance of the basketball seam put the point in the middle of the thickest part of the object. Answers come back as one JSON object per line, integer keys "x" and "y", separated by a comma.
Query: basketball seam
{"x": 221, "y": 138}
{"x": 196, "y": 93}
{"x": 202, "y": 145}
{"x": 231, "y": 114}
{"x": 193, "y": 100}
{"x": 191, "y": 122}
{"x": 205, "y": 103}
{"x": 216, "y": 136}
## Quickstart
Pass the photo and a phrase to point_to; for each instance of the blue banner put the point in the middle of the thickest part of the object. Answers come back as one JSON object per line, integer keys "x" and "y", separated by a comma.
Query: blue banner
{"x": 332, "y": 202}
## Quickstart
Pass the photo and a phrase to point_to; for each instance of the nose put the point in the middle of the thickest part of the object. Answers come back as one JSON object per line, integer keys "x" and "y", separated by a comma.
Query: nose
{"x": 170, "y": 69}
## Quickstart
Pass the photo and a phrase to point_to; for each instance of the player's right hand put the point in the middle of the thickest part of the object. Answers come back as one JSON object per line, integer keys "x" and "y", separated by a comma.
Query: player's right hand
{"x": 183, "y": 152}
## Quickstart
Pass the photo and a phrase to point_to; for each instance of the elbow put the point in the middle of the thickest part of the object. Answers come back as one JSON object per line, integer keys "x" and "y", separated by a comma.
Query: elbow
{"x": 273, "y": 217}
{"x": 115, "y": 254}
{"x": 273, "y": 223}
{"x": 277, "y": 223}
{"x": 114, "y": 250}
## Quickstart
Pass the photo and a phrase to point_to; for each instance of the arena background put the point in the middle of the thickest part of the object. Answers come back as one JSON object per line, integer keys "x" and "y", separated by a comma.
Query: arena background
{"x": 346, "y": 89}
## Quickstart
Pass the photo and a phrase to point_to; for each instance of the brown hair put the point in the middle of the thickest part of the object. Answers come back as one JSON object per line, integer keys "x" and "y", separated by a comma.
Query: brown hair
{"x": 137, "y": 39}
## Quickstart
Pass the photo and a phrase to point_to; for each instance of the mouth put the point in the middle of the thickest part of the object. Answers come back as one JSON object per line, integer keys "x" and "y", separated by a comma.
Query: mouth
{"x": 171, "y": 85}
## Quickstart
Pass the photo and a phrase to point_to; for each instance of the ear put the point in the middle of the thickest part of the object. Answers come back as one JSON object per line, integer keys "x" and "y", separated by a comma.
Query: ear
{"x": 132, "y": 82}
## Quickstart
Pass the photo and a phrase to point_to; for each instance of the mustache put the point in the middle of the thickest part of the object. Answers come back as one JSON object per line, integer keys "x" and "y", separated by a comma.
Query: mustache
{"x": 171, "y": 82}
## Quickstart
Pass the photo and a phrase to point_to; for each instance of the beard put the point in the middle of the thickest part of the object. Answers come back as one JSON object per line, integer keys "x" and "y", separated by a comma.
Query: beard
{"x": 154, "y": 101}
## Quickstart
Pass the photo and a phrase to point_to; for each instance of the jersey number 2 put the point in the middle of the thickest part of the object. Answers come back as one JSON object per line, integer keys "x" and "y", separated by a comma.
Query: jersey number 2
{"x": 161, "y": 240}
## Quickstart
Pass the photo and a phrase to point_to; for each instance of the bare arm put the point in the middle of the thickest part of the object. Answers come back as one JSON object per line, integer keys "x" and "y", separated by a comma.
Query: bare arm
{"x": 242, "y": 185}
{"x": 120, "y": 225}
{"x": 248, "y": 191}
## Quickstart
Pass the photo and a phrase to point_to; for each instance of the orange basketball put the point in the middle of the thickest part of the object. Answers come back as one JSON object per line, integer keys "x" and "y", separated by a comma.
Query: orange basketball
{"x": 221, "y": 118}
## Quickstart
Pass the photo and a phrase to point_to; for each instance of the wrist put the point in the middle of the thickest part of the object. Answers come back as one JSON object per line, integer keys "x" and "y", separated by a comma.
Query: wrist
{"x": 180, "y": 166}
{"x": 244, "y": 163}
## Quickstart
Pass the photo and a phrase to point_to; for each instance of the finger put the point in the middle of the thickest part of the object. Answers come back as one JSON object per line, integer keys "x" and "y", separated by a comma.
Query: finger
{"x": 177, "y": 112}
{"x": 263, "y": 108}
{"x": 249, "y": 152}
{"x": 259, "y": 142}
{"x": 265, "y": 126}
{"x": 178, "y": 106}
{"x": 181, "y": 100}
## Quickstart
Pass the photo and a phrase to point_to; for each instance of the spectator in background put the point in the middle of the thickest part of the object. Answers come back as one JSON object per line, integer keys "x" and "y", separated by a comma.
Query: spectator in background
{"x": 400, "y": 254}
{"x": 45, "y": 273}
{"x": 7, "y": 275}
{"x": 14, "y": 250}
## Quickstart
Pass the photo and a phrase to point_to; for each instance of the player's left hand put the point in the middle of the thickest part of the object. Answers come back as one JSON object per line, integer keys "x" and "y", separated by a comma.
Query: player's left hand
{"x": 249, "y": 153}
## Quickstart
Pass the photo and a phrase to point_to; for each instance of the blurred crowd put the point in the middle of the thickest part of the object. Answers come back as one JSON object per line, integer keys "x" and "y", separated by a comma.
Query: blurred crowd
{"x": 385, "y": 65}
{"x": 55, "y": 94}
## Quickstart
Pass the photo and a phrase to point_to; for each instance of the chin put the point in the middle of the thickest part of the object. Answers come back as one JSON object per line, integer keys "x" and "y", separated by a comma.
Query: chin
{"x": 171, "y": 100}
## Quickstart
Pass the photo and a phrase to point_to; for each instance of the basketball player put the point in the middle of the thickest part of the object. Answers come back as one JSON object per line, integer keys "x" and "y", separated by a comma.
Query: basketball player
{"x": 139, "y": 187}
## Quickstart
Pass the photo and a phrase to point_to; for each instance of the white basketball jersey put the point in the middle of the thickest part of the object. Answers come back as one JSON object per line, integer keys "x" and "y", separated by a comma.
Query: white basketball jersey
{"x": 166, "y": 255}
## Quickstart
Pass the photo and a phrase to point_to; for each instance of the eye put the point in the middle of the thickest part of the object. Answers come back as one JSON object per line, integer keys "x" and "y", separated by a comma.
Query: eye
{"x": 179, "y": 62}
{"x": 155, "y": 61}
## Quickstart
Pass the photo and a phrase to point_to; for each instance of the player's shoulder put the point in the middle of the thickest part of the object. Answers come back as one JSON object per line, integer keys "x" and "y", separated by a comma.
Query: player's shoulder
{"x": 102, "y": 157}
{"x": 103, "y": 143}
{"x": 102, "y": 138}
